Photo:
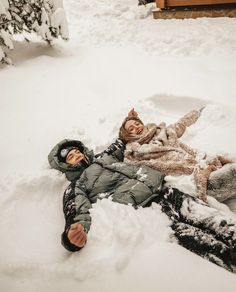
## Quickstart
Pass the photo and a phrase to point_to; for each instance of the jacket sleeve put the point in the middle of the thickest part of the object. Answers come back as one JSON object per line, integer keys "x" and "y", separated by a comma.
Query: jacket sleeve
{"x": 180, "y": 127}
{"x": 76, "y": 207}
{"x": 117, "y": 145}
{"x": 69, "y": 213}
{"x": 82, "y": 203}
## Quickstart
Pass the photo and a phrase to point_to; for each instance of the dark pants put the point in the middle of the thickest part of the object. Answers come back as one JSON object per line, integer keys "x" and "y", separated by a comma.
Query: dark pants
{"x": 200, "y": 228}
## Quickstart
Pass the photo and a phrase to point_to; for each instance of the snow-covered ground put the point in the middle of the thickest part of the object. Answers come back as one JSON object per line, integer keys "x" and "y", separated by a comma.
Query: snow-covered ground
{"x": 118, "y": 57}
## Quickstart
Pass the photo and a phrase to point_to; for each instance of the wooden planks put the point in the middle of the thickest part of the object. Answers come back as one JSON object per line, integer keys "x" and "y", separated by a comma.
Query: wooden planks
{"x": 196, "y": 11}
{"x": 175, "y": 3}
{"x": 161, "y": 3}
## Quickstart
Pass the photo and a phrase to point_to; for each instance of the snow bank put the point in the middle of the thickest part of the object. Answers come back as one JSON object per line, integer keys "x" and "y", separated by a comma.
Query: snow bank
{"x": 45, "y": 17}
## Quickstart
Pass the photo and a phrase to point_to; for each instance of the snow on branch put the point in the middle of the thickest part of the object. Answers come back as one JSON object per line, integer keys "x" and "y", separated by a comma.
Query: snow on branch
{"x": 45, "y": 17}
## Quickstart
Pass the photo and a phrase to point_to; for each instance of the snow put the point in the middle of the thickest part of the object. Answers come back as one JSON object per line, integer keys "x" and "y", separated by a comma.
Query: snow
{"x": 141, "y": 176}
{"x": 3, "y": 6}
{"x": 118, "y": 57}
{"x": 26, "y": 16}
{"x": 7, "y": 39}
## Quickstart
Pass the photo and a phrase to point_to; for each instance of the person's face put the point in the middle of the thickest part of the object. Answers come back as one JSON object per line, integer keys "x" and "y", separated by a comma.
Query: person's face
{"x": 74, "y": 157}
{"x": 134, "y": 127}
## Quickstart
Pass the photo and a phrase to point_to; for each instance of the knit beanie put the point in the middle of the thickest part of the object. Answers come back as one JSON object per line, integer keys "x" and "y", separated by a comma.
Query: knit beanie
{"x": 64, "y": 152}
{"x": 57, "y": 158}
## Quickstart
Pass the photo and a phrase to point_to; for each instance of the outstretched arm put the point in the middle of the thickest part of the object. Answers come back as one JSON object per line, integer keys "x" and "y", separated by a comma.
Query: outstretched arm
{"x": 117, "y": 146}
{"x": 186, "y": 121}
{"x": 76, "y": 207}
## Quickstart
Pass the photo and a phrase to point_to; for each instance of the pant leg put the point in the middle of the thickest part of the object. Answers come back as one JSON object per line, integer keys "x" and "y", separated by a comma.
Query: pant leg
{"x": 193, "y": 211}
{"x": 203, "y": 244}
{"x": 206, "y": 224}
{"x": 207, "y": 218}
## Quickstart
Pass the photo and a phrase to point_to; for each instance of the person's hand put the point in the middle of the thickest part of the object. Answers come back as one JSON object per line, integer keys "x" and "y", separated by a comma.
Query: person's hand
{"x": 132, "y": 113}
{"x": 77, "y": 235}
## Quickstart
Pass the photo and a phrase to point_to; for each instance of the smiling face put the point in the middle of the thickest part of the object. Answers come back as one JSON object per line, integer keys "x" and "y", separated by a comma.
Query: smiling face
{"x": 74, "y": 157}
{"x": 134, "y": 127}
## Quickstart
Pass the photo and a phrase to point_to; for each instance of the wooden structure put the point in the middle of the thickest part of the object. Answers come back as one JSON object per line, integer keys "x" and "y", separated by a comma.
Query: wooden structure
{"x": 175, "y": 3}
{"x": 194, "y": 8}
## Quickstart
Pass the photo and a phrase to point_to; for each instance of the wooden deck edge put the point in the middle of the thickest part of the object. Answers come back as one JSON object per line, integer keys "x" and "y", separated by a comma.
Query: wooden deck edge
{"x": 176, "y": 3}
{"x": 195, "y": 12}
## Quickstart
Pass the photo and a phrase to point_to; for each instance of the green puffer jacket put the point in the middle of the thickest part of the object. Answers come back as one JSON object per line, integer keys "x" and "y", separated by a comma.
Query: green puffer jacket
{"x": 126, "y": 184}
{"x": 106, "y": 176}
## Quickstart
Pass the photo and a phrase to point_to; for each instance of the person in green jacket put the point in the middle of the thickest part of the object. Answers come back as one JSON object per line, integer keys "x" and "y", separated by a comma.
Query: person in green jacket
{"x": 98, "y": 177}
{"x": 197, "y": 226}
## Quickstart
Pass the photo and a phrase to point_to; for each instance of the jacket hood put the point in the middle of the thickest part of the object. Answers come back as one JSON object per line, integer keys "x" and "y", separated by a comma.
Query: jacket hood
{"x": 72, "y": 172}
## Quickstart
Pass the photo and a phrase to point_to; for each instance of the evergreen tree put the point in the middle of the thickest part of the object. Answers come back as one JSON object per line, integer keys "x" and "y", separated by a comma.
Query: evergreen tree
{"x": 45, "y": 17}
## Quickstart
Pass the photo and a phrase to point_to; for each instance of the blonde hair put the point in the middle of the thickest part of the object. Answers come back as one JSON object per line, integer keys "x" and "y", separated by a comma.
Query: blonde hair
{"x": 124, "y": 134}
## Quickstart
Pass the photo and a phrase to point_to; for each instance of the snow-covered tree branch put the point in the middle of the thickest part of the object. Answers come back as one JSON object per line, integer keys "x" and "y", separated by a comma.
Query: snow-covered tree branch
{"x": 45, "y": 17}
